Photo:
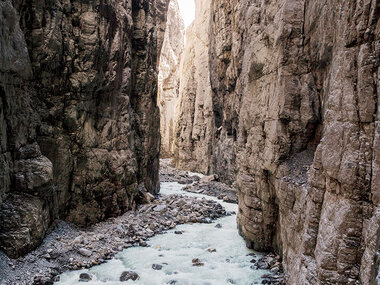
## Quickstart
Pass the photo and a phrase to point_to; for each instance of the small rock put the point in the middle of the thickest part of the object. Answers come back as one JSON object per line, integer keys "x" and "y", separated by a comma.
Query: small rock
{"x": 209, "y": 178}
{"x": 143, "y": 244}
{"x": 43, "y": 280}
{"x": 157, "y": 266}
{"x": 262, "y": 264}
{"x": 211, "y": 250}
{"x": 265, "y": 276}
{"x": 275, "y": 270}
{"x": 197, "y": 262}
{"x": 252, "y": 260}
{"x": 129, "y": 275}
{"x": 84, "y": 277}
{"x": 208, "y": 220}
{"x": 77, "y": 240}
{"x": 160, "y": 208}
{"x": 85, "y": 252}
{"x": 218, "y": 226}
{"x": 46, "y": 256}
{"x": 178, "y": 232}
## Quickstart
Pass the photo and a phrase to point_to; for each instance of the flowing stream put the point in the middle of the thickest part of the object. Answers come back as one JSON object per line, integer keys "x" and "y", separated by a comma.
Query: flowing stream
{"x": 229, "y": 264}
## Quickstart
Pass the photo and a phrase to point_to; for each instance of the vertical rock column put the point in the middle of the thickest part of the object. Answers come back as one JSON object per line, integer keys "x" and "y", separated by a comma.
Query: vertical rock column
{"x": 169, "y": 77}
{"x": 195, "y": 126}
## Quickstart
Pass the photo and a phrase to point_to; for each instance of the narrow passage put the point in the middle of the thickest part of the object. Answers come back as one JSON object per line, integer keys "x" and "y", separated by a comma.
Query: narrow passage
{"x": 196, "y": 253}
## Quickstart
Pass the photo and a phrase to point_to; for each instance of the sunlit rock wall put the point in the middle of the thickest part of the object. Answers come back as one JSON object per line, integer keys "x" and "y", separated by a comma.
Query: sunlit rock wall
{"x": 195, "y": 124}
{"x": 169, "y": 76}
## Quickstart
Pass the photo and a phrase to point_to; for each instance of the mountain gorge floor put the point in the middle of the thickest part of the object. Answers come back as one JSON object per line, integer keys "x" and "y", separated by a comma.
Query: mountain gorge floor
{"x": 70, "y": 248}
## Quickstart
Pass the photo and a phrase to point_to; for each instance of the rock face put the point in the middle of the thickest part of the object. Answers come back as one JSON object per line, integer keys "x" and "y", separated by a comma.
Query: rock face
{"x": 293, "y": 119}
{"x": 79, "y": 123}
{"x": 193, "y": 145}
{"x": 168, "y": 76}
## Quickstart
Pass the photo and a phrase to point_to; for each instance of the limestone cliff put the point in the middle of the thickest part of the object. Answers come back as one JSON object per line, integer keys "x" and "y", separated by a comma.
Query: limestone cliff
{"x": 195, "y": 125}
{"x": 168, "y": 76}
{"x": 294, "y": 122}
{"x": 79, "y": 123}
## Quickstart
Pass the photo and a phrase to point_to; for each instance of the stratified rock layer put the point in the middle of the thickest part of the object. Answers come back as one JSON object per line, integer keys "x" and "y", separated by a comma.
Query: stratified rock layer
{"x": 169, "y": 75}
{"x": 295, "y": 116}
{"x": 79, "y": 123}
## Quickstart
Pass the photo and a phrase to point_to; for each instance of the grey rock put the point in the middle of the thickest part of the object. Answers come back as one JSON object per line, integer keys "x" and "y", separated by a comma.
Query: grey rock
{"x": 84, "y": 277}
{"x": 157, "y": 266}
{"x": 129, "y": 275}
{"x": 85, "y": 252}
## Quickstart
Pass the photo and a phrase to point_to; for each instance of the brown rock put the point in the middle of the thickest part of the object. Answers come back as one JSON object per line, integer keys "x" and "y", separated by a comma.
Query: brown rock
{"x": 291, "y": 119}
{"x": 79, "y": 122}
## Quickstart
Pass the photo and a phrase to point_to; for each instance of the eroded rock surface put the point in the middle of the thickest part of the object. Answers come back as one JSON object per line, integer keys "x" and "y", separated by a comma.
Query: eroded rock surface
{"x": 169, "y": 76}
{"x": 193, "y": 145}
{"x": 79, "y": 123}
{"x": 293, "y": 119}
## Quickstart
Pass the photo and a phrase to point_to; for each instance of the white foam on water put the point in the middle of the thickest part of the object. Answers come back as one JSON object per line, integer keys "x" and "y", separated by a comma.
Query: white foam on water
{"x": 230, "y": 264}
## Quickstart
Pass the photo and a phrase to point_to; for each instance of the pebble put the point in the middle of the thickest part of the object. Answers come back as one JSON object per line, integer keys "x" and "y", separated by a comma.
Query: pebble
{"x": 129, "y": 275}
{"x": 85, "y": 252}
{"x": 197, "y": 262}
{"x": 157, "y": 266}
{"x": 84, "y": 277}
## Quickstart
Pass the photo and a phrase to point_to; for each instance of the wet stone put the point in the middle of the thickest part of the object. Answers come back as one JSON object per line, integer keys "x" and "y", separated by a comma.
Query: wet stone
{"x": 197, "y": 262}
{"x": 129, "y": 275}
{"x": 157, "y": 266}
{"x": 84, "y": 277}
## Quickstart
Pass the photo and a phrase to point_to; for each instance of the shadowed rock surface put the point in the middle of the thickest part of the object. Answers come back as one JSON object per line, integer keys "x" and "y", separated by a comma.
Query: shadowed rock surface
{"x": 294, "y": 122}
{"x": 79, "y": 124}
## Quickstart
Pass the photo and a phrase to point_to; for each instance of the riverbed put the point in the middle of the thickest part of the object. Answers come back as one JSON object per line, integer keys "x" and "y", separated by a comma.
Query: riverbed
{"x": 220, "y": 253}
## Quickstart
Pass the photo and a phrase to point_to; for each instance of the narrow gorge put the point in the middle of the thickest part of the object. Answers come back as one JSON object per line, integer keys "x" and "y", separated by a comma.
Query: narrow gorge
{"x": 240, "y": 148}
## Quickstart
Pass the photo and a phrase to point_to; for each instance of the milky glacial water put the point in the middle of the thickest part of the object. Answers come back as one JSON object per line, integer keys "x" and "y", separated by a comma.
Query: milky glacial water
{"x": 230, "y": 264}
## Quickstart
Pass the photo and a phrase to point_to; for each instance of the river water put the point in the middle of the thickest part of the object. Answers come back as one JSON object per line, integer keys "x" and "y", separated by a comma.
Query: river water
{"x": 229, "y": 264}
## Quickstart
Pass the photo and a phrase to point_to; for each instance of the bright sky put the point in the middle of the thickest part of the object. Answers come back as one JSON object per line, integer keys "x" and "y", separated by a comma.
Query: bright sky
{"x": 187, "y": 8}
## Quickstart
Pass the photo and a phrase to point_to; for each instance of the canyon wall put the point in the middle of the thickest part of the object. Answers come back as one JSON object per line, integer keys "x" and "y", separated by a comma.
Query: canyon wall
{"x": 195, "y": 125}
{"x": 168, "y": 76}
{"x": 293, "y": 121}
{"x": 79, "y": 122}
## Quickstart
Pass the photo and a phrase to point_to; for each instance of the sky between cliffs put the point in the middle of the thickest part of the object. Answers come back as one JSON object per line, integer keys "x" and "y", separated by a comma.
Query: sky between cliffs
{"x": 187, "y": 8}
